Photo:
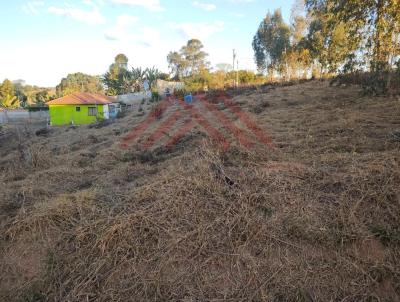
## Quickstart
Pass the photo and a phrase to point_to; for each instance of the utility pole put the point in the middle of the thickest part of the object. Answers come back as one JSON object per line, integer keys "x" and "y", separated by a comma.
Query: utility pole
{"x": 233, "y": 65}
{"x": 237, "y": 73}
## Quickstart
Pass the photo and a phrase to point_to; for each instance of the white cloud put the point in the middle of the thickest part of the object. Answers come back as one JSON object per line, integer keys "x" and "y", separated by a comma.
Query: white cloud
{"x": 198, "y": 30}
{"x": 152, "y": 5}
{"x": 31, "y": 7}
{"x": 119, "y": 30}
{"x": 91, "y": 17}
{"x": 127, "y": 30}
{"x": 204, "y": 6}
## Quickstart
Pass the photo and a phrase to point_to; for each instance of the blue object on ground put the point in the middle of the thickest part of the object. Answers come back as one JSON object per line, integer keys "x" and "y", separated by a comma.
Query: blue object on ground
{"x": 188, "y": 99}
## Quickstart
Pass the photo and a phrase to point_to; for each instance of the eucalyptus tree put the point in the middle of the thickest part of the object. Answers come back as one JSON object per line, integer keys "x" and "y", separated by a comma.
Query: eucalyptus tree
{"x": 271, "y": 42}
{"x": 190, "y": 60}
{"x": 375, "y": 25}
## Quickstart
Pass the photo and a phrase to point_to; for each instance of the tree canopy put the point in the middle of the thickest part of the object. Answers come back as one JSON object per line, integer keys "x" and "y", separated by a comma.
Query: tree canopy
{"x": 189, "y": 60}
{"x": 121, "y": 60}
{"x": 330, "y": 37}
{"x": 79, "y": 82}
{"x": 7, "y": 96}
{"x": 271, "y": 41}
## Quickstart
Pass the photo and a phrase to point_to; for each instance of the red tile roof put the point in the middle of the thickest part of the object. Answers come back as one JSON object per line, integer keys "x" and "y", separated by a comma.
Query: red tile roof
{"x": 83, "y": 98}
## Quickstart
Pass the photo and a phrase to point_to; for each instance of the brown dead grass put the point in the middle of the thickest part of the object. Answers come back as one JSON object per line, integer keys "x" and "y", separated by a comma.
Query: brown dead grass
{"x": 315, "y": 219}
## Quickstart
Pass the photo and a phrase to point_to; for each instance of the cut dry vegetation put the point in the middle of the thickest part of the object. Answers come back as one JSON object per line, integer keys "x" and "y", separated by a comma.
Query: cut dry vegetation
{"x": 315, "y": 219}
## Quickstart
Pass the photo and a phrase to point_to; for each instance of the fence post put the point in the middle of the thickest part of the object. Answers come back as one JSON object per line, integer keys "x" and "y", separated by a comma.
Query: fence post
{"x": 5, "y": 116}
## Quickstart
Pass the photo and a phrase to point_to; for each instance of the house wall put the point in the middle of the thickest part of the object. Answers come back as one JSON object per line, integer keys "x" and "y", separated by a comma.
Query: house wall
{"x": 106, "y": 112}
{"x": 67, "y": 114}
{"x": 113, "y": 109}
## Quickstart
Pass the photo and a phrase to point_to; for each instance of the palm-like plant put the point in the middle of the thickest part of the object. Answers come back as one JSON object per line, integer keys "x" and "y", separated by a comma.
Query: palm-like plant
{"x": 152, "y": 75}
{"x": 138, "y": 75}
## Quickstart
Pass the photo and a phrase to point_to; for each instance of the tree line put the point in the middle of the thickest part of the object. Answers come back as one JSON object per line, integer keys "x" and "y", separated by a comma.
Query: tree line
{"x": 16, "y": 94}
{"x": 330, "y": 37}
{"x": 190, "y": 65}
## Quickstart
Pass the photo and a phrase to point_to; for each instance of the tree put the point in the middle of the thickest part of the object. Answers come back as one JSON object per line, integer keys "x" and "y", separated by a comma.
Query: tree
{"x": 6, "y": 88}
{"x": 297, "y": 58}
{"x": 331, "y": 43}
{"x": 375, "y": 24}
{"x": 118, "y": 78}
{"x": 382, "y": 19}
{"x": 121, "y": 60}
{"x": 78, "y": 82}
{"x": 7, "y": 95}
{"x": 194, "y": 56}
{"x": 299, "y": 22}
{"x": 298, "y": 62}
{"x": 42, "y": 97}
{"x": 189, "y": 61}
{"x": 20, "y": 93}
{"x": 271, "y": 41}
{"x": 176, "y": 64}
{"x": 9, "y": 101}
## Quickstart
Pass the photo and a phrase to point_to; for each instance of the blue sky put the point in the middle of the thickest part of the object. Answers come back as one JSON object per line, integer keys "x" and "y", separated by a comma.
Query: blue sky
{"x": 44, "y": 40}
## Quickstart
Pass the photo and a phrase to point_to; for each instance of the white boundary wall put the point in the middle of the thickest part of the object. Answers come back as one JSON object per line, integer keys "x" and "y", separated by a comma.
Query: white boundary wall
{"x": 172, "y": 86}
{"x": 23, "y": 116}
{"x": 134, "y": 98}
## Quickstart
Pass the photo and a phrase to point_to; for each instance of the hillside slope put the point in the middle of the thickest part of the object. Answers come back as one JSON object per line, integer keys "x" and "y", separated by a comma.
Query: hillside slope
{"x": 315, "y": 217}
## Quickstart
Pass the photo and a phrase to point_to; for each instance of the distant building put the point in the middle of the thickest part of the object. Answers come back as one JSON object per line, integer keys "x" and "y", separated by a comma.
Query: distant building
{"x": 81, "y": 108}
{"x": 166, "y": 88}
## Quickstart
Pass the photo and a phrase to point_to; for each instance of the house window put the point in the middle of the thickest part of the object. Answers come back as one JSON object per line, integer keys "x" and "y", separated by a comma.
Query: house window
{"x": 78, "y": 109}
{"x": 92, "y": 111}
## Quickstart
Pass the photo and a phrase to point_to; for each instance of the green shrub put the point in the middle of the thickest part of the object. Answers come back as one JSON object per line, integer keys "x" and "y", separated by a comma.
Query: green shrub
{"x": 179, "y": 93}
{"x": 155, "y": 97}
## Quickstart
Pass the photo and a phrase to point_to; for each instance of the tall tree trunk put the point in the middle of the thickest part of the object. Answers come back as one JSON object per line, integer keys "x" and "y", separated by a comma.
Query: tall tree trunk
{"x": 378, "y": 34}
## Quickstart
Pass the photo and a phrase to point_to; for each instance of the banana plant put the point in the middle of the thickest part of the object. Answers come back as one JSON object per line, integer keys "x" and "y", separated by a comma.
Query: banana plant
{"x": 138, "y": 74}
{"x": 152, "y": 75}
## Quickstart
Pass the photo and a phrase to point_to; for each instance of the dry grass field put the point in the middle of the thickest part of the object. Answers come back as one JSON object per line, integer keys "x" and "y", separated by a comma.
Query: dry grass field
{"x": 316, "y": 218}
